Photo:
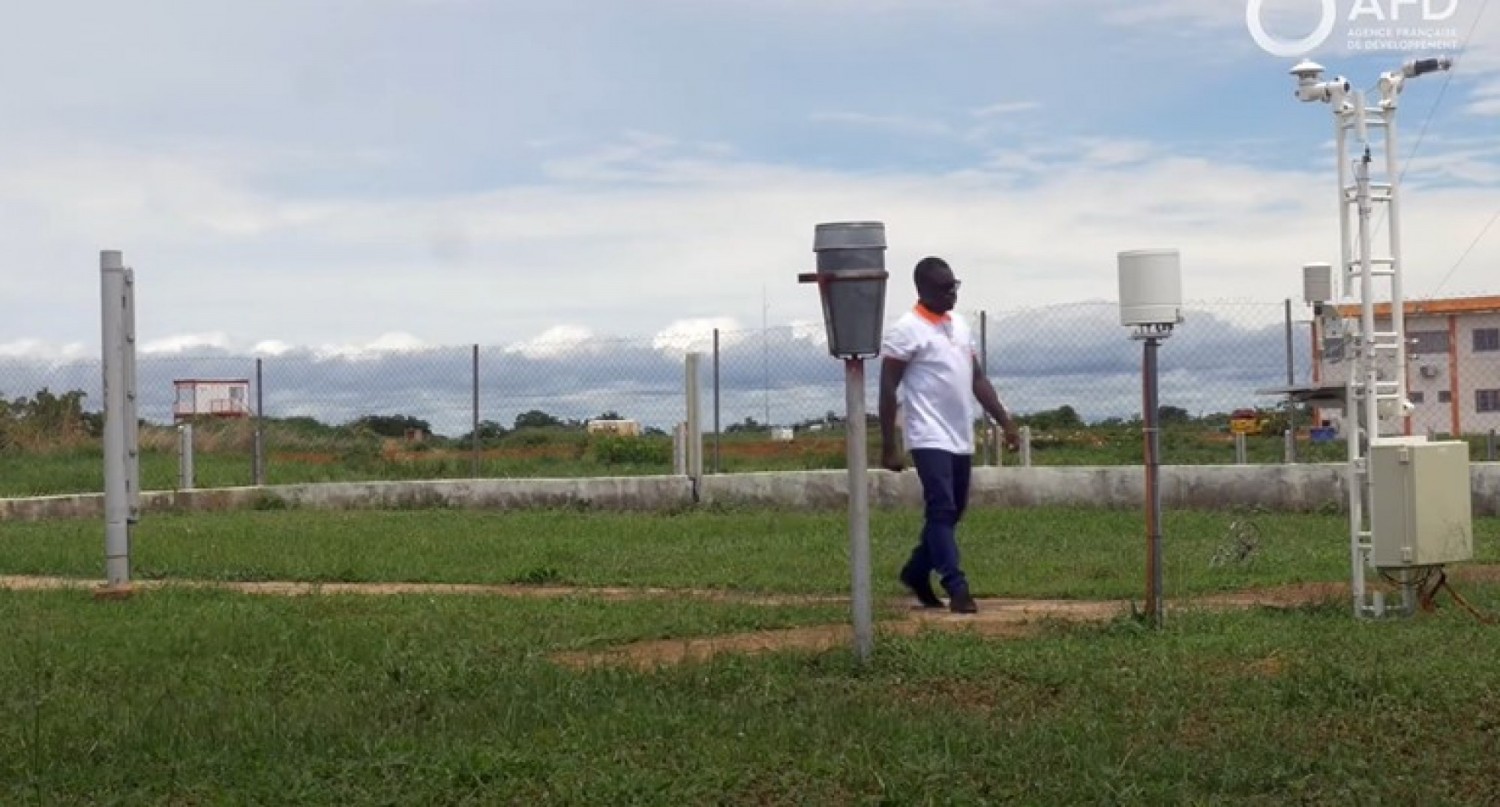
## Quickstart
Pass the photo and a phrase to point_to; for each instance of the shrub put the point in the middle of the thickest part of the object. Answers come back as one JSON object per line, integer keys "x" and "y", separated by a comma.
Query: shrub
{"x": 610, "y": 449}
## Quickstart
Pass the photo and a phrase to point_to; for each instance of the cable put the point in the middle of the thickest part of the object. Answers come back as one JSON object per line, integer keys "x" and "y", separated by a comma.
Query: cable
{"x": 1472, "y": 244}
{"x": 1427, "y": 597}
{"x": 1431, "y": 112}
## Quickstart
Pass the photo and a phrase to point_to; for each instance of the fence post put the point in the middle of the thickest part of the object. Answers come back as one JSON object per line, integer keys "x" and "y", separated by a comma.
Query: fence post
{"x": 185, "y": 457}
{"x": 474, "y": 434}
{"x": 1491, "y": 448}
{"x": 1239, "y": 448}
{"x": 717, "y": 466}
{"x": 992, "y": 450}
{"x": 113, "y": 295}
{"x": 1025, "y": 446}
{"x": 1291, "y": 379}
{"x": 132, "y": 405}
{"x": 258, "y": 455}
{"x": 693, "y": 454}
{"x": 679, "y": 449}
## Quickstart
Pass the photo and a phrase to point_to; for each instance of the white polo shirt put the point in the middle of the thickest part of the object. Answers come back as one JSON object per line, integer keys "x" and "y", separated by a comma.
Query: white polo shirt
{"x": 937, "y": 390}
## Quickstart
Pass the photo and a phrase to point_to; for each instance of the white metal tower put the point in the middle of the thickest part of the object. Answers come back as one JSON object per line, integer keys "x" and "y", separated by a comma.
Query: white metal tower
{"x": 1375, "y": 395}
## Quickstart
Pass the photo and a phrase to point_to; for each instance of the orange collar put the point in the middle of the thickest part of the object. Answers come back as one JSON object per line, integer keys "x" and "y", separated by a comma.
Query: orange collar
{"x": 925, "y": 313}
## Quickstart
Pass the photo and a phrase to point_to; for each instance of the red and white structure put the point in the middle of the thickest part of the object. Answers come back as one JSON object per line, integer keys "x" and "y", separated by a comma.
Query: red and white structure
{"x": 211, "y": 397}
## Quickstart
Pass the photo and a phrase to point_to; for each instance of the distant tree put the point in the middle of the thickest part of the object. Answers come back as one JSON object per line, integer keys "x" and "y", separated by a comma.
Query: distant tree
{"x": 1063, "y": 417}
{"x": 536, "y": 419}
{"x": 610, "y": 414}
{"x": 1173, "y": 416}
{"x": 390, "y": 425}
{"x": 488, "y": 430}
{"x": 749, "y": 424}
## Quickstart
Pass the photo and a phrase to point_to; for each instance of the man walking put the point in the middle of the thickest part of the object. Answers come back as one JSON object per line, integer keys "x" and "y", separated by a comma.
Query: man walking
{"x": 929, "y": 358}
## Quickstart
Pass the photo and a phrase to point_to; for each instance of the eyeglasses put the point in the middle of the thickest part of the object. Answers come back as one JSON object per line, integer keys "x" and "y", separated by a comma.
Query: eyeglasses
{"x": 949, "y": 287}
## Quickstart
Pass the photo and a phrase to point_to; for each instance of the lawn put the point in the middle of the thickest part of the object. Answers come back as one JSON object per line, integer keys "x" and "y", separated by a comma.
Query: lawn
{"x": 193, "y": 696}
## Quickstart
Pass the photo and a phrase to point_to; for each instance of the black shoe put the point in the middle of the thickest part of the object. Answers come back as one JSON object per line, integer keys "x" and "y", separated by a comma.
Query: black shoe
{"x": 963, "y": 604}
{"x": 922, "y": 588}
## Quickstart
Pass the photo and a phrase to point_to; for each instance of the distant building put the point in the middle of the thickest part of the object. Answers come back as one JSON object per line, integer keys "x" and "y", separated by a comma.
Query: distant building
{"x": 211, "y": 397}
{"x": 1452, "y": 368}
{"x": 623, "y": 428}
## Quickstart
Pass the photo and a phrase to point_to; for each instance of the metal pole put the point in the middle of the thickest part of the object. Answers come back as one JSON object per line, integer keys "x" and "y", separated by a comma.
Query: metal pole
{"x": 185, "y": 457}
{"x": 1154, "y": 605}
{"x": 257, "y": 459}
{"x": 116, "y": 474}
{"x": 694, "y": 422}
{"x": 991, "y": 449}
{"x": 1291, "y": 379}
{"x": 1490, "y": 447}
{"x": 1398, "y": 291}
{"x": 1025, "y": 446}
{"x": 474, "y": 433}
{"x": 132, "y": 406}
{"x": 859, "y": 506}
{"x": 717, "y": 467}
{"x": 1239, "y": 449}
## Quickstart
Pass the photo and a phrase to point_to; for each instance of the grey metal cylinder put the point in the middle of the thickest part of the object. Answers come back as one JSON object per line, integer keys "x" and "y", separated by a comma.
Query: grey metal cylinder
{"x": 854, "y": 309}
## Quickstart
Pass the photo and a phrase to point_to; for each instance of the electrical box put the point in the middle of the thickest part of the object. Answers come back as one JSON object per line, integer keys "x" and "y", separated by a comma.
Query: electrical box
{"x": 1317, "y": 283}
{"x": 1150, "y": 287}
{"x": 1422, "y": 513}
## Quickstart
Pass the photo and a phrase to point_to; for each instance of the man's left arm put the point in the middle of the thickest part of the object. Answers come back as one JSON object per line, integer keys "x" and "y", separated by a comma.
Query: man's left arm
{"x": 990, "y": 400}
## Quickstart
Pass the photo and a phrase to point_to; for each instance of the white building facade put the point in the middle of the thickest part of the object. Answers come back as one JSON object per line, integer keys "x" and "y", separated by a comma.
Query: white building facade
{"x": 1452, "y": 367}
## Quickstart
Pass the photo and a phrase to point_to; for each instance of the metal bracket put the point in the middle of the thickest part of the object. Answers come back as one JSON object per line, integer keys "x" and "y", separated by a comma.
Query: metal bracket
{"x": 821, "y": 278}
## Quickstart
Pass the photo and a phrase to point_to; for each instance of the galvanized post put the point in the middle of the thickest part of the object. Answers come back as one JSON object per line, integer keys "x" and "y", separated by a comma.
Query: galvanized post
{"x": 1154, "y": 598}
{"x": 992, "y": 445}
{"x": 1490, "y": 448}
{"x": 257, "y": 458}
{"x": 116, "y": 415}
{"x": 1025, "y": 446}
{"x": 185, "y": 457}
{"x": 1291, "y": 380}
{"x": 694, "y": 450}
{"x": 859, "y": 506}
{"x": 132, "y": 407}
{"x": 679, "y": 449}
{"x": 717, "y": 467}
{"x": 1240, "y": 454}
{"x": 474, "y": 433}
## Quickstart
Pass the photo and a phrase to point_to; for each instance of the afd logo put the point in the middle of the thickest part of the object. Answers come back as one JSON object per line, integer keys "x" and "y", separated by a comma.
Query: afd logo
{"x": 1387, "y": 24}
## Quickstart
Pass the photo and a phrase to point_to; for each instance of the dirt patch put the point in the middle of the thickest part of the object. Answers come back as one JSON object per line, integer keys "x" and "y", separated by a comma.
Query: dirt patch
{"x": 291, "y": 589}
{"x": 996, "y": 618}
{"x": 1008, "y": 618}
{"x": 659, "y": 653}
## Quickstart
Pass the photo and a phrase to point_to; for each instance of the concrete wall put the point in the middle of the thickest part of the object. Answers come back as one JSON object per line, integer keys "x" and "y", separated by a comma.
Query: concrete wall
{"x": 1303, "y": 487}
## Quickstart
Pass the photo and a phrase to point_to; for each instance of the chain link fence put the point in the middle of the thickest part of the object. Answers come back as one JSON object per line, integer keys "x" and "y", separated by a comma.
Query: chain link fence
{"x": 772, "y": 399}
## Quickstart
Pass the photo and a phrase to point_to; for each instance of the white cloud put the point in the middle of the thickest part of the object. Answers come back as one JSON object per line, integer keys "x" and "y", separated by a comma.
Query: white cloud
{"x": 184, "y": 343}
{"x": 557, "y": 342}
{"x": 36, "y": 349}
{"x": 271, "y": 347}
{"x": 697, "y": 335}
{"x": 383, "y": 345}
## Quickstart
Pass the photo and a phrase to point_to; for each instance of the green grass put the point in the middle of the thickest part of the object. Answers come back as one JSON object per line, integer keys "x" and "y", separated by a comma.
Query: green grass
{"x": 180, "y": 697}
{"x": 1032, "y": 553}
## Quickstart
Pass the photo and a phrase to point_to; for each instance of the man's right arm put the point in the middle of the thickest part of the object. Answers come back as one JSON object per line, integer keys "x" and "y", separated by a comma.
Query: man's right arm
{"x": 891, "y": 372}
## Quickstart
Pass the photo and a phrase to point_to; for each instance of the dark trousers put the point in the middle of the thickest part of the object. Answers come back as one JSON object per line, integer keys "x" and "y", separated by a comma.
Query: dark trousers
{"x": 945, "y": 489}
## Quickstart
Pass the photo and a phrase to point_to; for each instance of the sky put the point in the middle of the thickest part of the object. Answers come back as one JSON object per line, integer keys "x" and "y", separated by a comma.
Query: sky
{"x": 367, "y": 177}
